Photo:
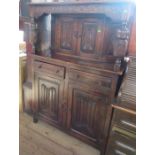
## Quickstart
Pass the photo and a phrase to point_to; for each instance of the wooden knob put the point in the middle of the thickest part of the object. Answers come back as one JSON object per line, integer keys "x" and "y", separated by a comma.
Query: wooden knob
{"x": 40, "y": 66}
{"x": 77, "y": 76}
{"x": 57, "y": 71}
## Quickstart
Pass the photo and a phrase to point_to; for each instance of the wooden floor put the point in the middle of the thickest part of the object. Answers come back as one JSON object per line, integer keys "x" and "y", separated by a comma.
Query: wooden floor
{"x": 43, "y": 139}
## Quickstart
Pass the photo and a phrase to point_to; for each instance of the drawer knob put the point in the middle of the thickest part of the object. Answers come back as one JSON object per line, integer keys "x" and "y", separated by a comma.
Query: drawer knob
{"x": 57, "y": 71}
{"x": 78, "y": 76}
{"x": 40, "y": 66}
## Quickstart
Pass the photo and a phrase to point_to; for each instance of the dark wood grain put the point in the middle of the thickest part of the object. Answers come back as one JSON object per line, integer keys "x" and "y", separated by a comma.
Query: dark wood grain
{"x": 87, "y": 37}
{"x": 96, "y": 91}
{"x": 90, "y": 37}
{"x": 48, "y": 97}
{"x": 65, "y": 31}
{"x": 88, "y": 114}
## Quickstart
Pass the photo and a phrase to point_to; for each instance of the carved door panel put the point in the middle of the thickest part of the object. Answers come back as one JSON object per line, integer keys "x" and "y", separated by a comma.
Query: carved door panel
{"x": 65, "y": 41}
{"x": 49, "y": 95}
{"x": 90, "y": 37}
{"x": 88, "y": 111}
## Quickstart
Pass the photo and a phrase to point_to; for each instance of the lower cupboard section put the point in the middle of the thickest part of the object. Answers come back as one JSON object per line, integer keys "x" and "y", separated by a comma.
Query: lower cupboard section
{"x": 78, "y": 103}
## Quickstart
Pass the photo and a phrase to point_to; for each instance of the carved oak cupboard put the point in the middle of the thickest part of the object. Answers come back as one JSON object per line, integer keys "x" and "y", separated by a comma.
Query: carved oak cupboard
{"x": 77, "y": 63}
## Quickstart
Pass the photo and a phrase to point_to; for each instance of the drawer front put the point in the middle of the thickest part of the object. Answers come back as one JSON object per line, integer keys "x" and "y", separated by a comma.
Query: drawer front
{"x": 103, "y": 84}
{"x": 50, "y": 68}
{"x": 125, "y": 120}
{"x": 120, "y": 144}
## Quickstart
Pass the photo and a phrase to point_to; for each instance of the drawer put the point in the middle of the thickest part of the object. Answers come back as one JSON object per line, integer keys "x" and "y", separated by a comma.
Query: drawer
{"x": 120, "y": 144}
{"x": 50, "y": 68}
{"x": 101, "y": 83}
{"x": 125, "y": 120}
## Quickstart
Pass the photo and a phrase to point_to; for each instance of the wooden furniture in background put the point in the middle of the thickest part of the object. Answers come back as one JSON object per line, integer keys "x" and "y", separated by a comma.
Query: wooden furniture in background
{"x": 76, "y": 61}
{"x": 122, "y": 136}
{"x": 122, "y": 133}
{"x": 127, "y": 92}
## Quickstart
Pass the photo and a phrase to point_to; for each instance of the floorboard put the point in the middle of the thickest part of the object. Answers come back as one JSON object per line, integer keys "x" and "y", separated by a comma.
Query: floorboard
{"x": 44, "y": 139}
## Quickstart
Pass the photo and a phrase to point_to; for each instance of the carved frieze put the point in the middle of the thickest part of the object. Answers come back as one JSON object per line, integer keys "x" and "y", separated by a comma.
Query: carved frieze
{"x": 115, "y": 11}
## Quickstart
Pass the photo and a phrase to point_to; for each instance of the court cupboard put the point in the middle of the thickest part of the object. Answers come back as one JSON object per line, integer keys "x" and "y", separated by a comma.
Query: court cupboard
{"x": 78, "y": 60}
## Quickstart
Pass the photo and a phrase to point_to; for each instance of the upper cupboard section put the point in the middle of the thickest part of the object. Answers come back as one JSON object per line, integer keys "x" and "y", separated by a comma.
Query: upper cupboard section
{"x": 92, "y": 38}
{"x": 84, "y": 37}
{"x": 80, "y": 36}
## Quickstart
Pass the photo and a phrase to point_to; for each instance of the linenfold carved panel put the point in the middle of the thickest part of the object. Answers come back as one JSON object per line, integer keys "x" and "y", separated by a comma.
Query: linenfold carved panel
{"x": 93, "y": 37}
{"x": 88, "y": 37}
{"x": 64, "y": 35}
{"x": 89, "y": 113}
{"x": 48, "y": 98}
{"x": 66, "y": 39}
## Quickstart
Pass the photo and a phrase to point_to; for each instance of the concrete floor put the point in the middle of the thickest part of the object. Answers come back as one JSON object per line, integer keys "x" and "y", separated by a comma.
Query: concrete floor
{"x": 43, "y": 139}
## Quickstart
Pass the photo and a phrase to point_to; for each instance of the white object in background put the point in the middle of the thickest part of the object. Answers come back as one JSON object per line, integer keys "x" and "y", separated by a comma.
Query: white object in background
{"x": 21, "y": 36}
{"x": 37, "y": 1}
{"x": 48, "y": 0}
{"x": 41, "y": 1}
{"x": 22, "y": 43}
{"x": 126, "y": 59}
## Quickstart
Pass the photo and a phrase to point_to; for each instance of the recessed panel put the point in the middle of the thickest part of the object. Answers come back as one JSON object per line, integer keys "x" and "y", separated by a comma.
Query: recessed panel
{"x": 66, "y": 35}
{"x": 48, "y": 98}
{"x": 88, "y": 39}
{"x": 88, "y": 113}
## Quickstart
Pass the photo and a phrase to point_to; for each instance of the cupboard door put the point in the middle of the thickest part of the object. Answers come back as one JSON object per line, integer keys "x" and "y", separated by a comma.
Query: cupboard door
{"x": 65, "y": 42}
{"x": 49, "y": 92}
{"x": 87, "y": 114}
{"x": 90, "y": 37}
